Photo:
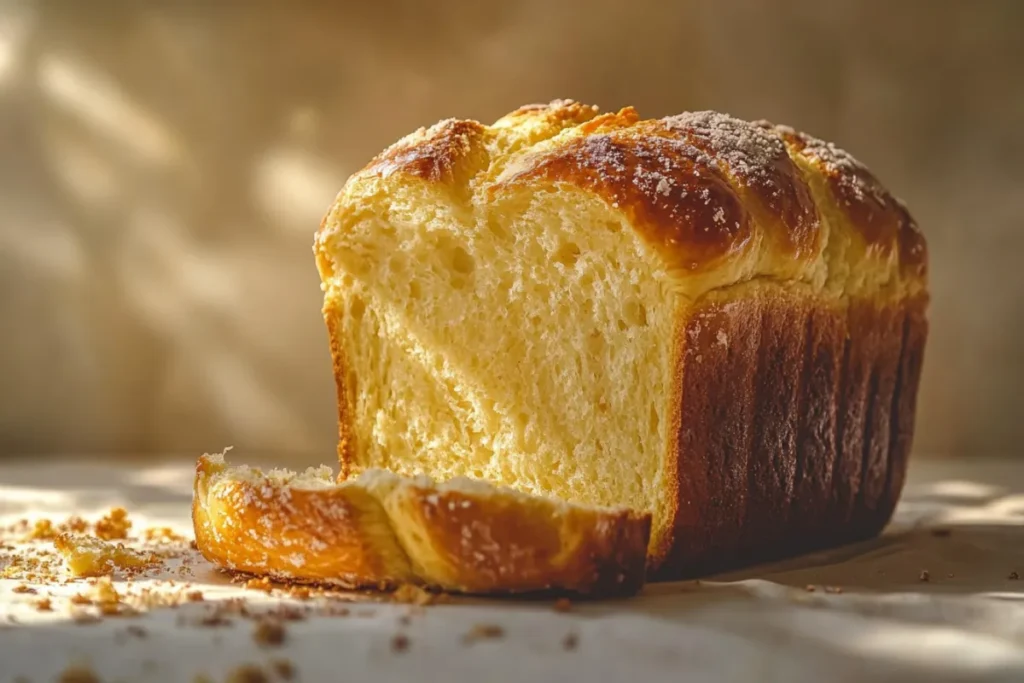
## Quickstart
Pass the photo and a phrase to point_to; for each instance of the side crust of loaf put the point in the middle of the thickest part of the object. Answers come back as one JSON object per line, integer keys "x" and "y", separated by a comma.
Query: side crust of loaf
{"x": 381, "y": 530}
{"x": 793, "y": 426}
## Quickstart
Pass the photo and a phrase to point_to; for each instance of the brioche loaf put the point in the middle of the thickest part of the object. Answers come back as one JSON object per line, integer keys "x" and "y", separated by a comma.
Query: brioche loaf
{"x": 716, "y": 321}
{"x": 382, "y": 530}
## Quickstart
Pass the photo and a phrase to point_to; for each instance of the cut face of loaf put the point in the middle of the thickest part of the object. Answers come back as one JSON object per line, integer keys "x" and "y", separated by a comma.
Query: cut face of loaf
{"x": 380, "y": 529}
{"x": 717, "y": 321}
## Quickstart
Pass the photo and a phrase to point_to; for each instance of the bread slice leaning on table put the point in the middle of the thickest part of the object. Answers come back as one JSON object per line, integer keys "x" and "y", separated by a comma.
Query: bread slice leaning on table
{"x": 379, "y": 529}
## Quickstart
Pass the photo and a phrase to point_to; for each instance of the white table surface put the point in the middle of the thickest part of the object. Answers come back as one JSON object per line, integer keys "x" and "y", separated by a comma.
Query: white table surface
{"x": 966, "y": 623}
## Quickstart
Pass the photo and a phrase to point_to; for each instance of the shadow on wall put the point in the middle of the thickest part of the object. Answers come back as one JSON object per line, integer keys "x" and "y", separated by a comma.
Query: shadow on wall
{"x": 165, "y": 168}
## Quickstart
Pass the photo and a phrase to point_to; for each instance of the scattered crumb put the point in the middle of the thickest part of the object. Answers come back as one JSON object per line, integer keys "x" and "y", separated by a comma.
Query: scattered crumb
{"x": 809, "y": 588}
{"x": 136, "y": 631}
{"x": 833, "y": 589}
{"x": 114, "y": 526}
{"x": 483, "y": 632}
{"x": 44, "y": 605}
{"x": 42, "y": 531}
{"x": 78, "y": 674}
{"x": 75, "y": 525}
{"x": 161, "y": 534}
{"x": 269, "y": 633}
{"x": 87, "y": 556}
{"x": 283, "y": 668}
{"x": 194, "y": 596}
{"x": 215, "y": 619}
{"x": 1013, "y": 576}
{"x": 570, "y": 641}
{"x": 247, "y": 673}
{"x": 950, "y": 575}
{"x": 103, "y": 591}
{"x": 84, "y": 618}
{"x": 261, "y": 584}
{"x": 412, "y": 595}
{"x": 924, "y": 576}
{"x": 563, "y": 605}
{"x": 400, "y": 643}
{"x": 22, "y": 588}
{"x": 300, "y": 593}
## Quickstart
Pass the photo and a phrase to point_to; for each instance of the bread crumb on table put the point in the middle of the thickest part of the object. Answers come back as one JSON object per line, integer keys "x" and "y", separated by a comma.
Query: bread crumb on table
{"x": 86, "y": 556}
{"x": 78, "y": 674}
{"x": 400, "y": 643}
{"x": 283, "y": 668}
{"x": 114, "y": 526}
{"x": 261, "y": 584}
{"x": 924, "y": 576}
{"x": 483, "y": 632}
{"x": 563, "y": 605}
{"x": 269, "y": 633}
{"x": 247, "y": 673}
{"x": 570, "y": 642}
{"x": 413, "y": 595}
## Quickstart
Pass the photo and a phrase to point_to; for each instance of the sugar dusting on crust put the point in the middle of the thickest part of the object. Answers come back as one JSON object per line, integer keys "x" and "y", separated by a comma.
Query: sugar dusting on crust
{"x": 429, "y": 153}
{"x": 840, "y": 165}
{"x": 748, "y": 150}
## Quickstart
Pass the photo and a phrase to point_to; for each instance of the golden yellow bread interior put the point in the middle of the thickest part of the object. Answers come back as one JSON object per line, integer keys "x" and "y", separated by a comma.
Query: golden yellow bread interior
{"x": 380, "y": 529}
{"x": 508, "y": 301}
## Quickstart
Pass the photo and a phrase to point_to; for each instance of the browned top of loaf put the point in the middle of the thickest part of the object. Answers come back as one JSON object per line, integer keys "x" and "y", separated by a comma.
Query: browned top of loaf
{"x": 694, "y": 184}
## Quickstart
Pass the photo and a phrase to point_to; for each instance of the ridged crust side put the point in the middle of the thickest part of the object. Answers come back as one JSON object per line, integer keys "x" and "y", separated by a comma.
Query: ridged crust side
{"x": 380, "y": 530}
{"x": 793, "y": 425}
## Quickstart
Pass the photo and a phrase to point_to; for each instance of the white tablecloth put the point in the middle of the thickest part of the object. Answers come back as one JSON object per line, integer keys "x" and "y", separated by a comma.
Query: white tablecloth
{"x": 965, "y": 623}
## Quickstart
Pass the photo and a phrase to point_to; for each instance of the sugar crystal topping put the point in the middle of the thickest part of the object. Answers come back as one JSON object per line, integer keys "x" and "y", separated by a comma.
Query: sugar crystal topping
{"x": 748, "y": 150}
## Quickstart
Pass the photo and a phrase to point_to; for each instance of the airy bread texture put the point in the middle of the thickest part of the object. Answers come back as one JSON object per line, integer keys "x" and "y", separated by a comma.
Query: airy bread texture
{"x": 716, "y": 321}
{"x": 383, "y": 530}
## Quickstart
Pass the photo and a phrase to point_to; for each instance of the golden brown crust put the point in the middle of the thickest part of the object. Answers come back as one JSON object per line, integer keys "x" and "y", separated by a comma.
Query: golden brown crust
{"x": 561, "y": 113}
{"x": 520, "y": 543}
{"x": 794, "y": 424}
{"x": 334, "y": 534}
{"x": 703, "y": 187}
{"x": 434, "y": 154}
{"x": 669, "y": 190}
{"x": 880, "y": 219}
{"x": 345, "y": 390}
{"x": 381, "y": 529}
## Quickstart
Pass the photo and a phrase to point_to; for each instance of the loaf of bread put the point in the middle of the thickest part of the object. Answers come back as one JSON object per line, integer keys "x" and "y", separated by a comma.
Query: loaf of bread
{"x": 383, "y": 530}
{"x": 716, "y": 321}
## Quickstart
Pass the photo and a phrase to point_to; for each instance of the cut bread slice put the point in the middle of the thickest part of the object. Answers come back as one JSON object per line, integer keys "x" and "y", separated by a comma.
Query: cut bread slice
{"x": 380, "y": 529}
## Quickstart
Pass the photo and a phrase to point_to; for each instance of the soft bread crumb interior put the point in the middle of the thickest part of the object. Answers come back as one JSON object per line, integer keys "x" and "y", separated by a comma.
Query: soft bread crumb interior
{"x": 522, "y": 344}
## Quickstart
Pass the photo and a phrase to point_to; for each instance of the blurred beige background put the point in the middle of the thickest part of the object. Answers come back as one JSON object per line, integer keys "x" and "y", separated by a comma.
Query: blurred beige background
{"x": 164, "y": 166}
